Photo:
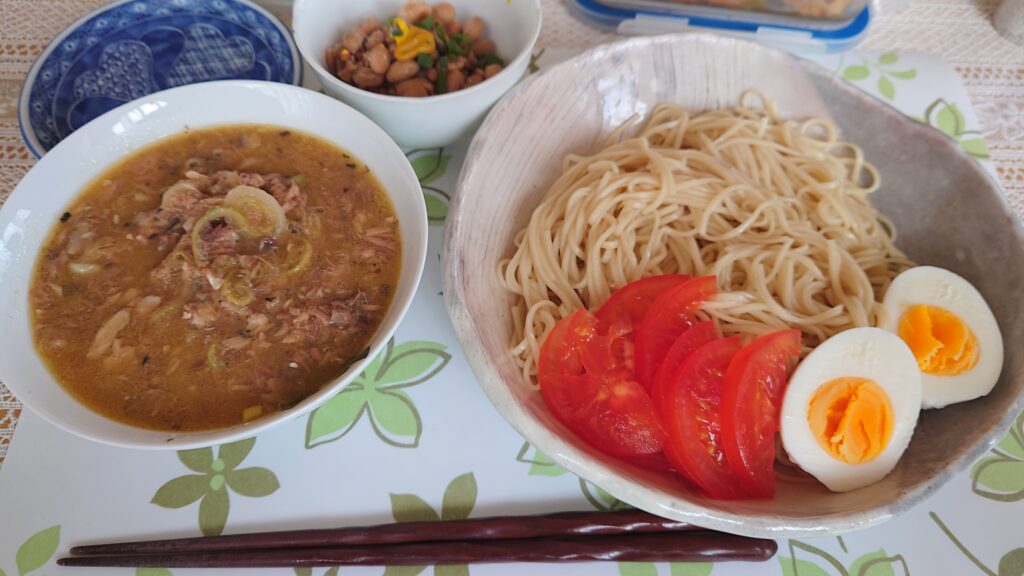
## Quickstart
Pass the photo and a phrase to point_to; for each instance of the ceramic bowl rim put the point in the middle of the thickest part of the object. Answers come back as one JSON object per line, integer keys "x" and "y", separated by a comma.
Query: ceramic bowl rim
{"x": 652, "y": 499}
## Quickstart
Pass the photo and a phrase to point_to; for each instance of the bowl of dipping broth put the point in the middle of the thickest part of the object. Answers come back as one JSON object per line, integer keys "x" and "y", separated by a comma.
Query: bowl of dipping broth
{"x": 174, "y": 274}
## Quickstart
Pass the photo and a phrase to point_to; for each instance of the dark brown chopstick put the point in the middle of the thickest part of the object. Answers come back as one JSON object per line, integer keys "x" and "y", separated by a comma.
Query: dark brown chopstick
{"x": 494, "y": 528}
{"x": 701, "y": 545}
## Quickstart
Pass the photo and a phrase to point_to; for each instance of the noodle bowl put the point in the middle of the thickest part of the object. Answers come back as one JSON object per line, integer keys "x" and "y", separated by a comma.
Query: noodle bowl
{"x": 777, "y": 210}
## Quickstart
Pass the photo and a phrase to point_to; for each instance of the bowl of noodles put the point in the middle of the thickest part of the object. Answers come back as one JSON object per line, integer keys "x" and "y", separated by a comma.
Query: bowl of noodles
{"x": 803, "y": 198}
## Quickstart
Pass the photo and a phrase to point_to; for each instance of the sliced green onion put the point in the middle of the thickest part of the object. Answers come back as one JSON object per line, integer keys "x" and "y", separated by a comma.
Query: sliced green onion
{"x": 83, "y": 268}
{"x": 426, "y": 61}
{"x": 236, "y": 289}
{"x": 211, "y": 357}
{"x": 485, "y": 61}
{"x": 427, "y": 23}
{"x": 441, "y": 86}
{"x": 460, "y": 45}
{"x": 299, "y": 255}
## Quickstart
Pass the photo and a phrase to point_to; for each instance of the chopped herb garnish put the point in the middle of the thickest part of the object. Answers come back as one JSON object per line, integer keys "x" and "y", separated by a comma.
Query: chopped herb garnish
{"x": 65, "y": 216}
{"x": 441, "y": 86}
{"x": 441, "y": 37}
{"x": 394, "y": 29}
{"x": 426, "y": 61}
{"x": 485, "y": 61}
{"x": 460, "y": 45}
{"x": 427, "y": 23}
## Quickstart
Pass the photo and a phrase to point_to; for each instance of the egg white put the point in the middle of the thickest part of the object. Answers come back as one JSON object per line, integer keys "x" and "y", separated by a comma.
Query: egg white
{"x": 933, "y": 286}
{"x": 860, "y": 352}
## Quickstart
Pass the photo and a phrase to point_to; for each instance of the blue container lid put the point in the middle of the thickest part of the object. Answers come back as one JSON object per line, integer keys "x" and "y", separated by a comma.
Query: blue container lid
{"x": 790, "y": 33}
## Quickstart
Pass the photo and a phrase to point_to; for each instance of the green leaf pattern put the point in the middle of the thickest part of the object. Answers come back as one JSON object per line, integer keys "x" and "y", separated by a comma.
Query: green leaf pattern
{"x": 429, "y": 167}
{"x": 152, "y": 572}
{"x": 457, "y": 504}
{"x": 883, "y": 68}
{"x": 380, "y": 394}
{"x": 217, "y": 476}
{"x": 808, "y": 560}
{"x": 35, "y": 552}
{"x": 541, "y": 465}
{"x": 333, "y": 571}
{"x": 675, "y": 569}
{"x": 999, "y": 476}
{"x": 947, "y": 118}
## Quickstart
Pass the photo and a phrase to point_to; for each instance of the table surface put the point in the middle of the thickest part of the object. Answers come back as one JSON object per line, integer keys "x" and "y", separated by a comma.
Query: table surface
{"x": 960, "y": 31}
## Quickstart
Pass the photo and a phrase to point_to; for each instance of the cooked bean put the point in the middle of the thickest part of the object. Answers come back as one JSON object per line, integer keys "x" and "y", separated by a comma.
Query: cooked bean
{"x": 332, "y": 56}
{"x": 456, "y": 79}
{"x": 484, "y": 47}
{"x": 399, "y": 70}
{"x": 444, "y": 12}
{"x": 492, "y": 69}
{"x": 432, "y": 74}
{"x": 366, "y": 78}
{"x": 379, "y": 59}
{"x": 376, "y": 38}
{"x": 414, "y": 11}
{"x": 353, "y": 41}
{"x": 414, "y": 88}
{"x": 474, "y": 79}
{"x": 369, "y": 25}
{"x": 474, "y": 27}
{"x": 453, "y": 28}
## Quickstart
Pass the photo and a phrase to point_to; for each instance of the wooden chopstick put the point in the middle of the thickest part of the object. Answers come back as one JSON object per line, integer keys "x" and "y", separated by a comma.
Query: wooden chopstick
{"x": 493, "y": 528}
{"x": 689, "y": 546}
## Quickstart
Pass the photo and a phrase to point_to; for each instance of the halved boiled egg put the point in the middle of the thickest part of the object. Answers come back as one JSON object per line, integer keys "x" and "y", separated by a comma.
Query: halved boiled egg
{"x": 850, "y": 408}
{"x": 951, "y": 331}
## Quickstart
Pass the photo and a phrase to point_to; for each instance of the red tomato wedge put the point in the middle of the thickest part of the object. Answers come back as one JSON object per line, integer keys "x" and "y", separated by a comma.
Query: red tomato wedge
{"x": 629, "y": 303}
{"x": 685, "y": 344}
{"x": 690, "y": 412}
{"x": 670, "y": 315}
{"x": 587, "y": 387}
{"x": 751, "y": 397}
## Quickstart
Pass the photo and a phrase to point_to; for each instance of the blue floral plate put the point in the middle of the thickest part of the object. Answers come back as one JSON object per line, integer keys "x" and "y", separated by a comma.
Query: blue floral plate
{"x": 136, "y": 47}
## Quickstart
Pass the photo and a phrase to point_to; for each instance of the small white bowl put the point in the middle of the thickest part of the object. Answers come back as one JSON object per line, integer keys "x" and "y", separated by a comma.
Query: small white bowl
{"x": 36, "y": 204}
{"x": 420, "y": 122}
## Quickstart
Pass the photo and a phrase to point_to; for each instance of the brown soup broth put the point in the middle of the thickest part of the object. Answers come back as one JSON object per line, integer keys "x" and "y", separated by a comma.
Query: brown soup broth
{"x": 166, "y": 300}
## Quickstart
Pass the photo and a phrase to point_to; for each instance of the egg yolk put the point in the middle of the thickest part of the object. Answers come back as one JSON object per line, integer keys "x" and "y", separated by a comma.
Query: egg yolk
{"x": 852, "y": 418}
{"x": 941, "y": 342}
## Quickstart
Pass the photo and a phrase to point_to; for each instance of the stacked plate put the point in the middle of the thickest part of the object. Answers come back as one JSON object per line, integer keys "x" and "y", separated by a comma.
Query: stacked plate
{"x": 136, "y": 47}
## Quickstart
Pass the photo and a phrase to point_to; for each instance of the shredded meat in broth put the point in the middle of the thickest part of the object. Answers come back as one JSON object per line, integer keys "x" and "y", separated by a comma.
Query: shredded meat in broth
{"x": 215, "y": 277}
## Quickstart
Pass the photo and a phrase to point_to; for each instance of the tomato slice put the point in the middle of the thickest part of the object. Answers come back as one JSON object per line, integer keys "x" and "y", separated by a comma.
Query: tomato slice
{"x": 588, "y": 388}
{"x": 671, "y": 314}
{"x": 751, "y": 397}
{"x": 629, "y": 303}
{"x": 690, "y": 411}
{"x": 687, "y": 343}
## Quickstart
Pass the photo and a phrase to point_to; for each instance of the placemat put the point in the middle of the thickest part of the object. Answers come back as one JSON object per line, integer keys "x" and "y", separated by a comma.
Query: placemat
{"x": 417, "y": 439}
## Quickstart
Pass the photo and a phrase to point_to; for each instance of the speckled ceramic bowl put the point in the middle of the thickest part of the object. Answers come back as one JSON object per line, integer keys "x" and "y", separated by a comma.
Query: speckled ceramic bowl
{"x": 948, "y": 210}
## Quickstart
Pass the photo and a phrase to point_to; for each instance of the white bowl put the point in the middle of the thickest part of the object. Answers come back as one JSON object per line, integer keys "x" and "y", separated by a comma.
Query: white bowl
{"x": 948, "y": 210}
{"x": 39, "y": 199}
{"x": 429, "y": 122}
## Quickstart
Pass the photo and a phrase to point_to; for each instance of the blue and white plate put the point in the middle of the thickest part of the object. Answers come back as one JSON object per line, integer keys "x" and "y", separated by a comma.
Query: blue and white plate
{"x": 135, "y": 47}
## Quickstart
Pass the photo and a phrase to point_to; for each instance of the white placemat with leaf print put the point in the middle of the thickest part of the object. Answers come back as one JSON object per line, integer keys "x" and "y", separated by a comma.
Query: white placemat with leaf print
{"x": 414, "y": 438}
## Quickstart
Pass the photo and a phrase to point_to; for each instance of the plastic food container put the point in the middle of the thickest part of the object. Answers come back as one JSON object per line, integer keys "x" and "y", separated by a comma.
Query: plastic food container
{"x": 801, "y": 26}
